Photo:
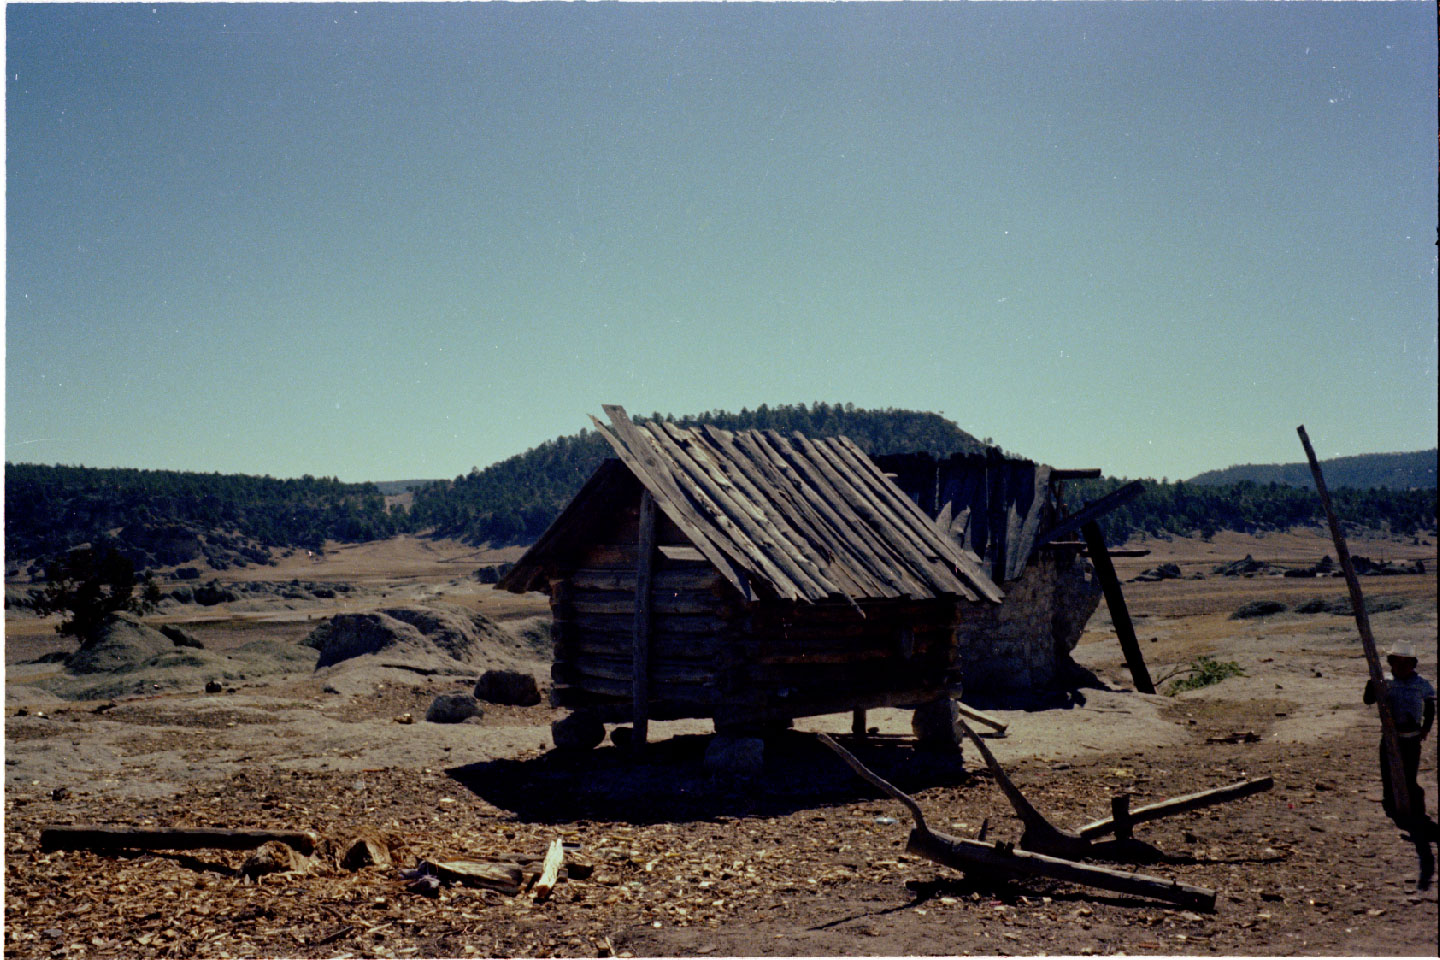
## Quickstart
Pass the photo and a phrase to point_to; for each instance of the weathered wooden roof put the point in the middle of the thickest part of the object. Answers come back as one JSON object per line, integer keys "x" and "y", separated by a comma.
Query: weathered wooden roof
{"x": 808, "y": 519}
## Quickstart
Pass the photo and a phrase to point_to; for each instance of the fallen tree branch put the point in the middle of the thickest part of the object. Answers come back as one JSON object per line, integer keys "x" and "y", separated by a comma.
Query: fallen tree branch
{"x": 100, "y": 839}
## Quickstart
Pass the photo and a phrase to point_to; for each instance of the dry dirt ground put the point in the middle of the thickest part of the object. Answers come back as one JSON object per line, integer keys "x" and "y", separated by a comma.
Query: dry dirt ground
{"x": 807, "y": 860}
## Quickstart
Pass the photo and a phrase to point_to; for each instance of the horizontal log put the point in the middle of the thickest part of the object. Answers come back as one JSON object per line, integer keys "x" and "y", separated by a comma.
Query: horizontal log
{"x": 599, "y": 578}
{"x": 662, "y": 603}
{"x": 579, "y": 643}
{"x": 976, "y": 857}
{"x": 1075, "y": 473}
{"x": 1175, "y": 805}
{"x": 624, "y": 555}
{"x": 607, "y": 687}
{"x": 621, "y": 625}
{"x": 578, "y": 670}
{"x": 98, "y": 838}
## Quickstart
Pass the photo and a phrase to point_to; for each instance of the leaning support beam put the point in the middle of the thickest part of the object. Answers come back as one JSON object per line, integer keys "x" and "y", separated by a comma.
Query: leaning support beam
{"x": 1191, "y": 801}
{"x": 977, "y": 857}
{"x": 102, "y": 839}
{"x": 1399, "y": 784}
{"x": 1119, "y": 612}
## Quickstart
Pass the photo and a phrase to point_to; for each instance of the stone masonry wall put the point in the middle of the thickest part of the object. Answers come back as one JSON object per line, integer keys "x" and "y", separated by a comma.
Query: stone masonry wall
{"x": 1024, "y": 643}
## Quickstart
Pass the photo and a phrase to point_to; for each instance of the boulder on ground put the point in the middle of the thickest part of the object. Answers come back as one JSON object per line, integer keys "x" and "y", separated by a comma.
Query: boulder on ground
{"x": 210, "y": 593}
{"x": 122, "y": 643}
{"x": 508, "y": 687}
{"x": 582, "y": 730}
{"x": 934, "y": 726}
{"x": 1258, "y": 608}
{"x": 1165, "y": 571}
{"x": 452, "y": 708}
{"x": 735, "y": 756}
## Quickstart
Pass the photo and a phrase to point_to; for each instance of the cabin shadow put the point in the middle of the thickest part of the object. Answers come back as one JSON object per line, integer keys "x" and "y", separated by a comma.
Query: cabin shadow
{"x": 671, "y": 784}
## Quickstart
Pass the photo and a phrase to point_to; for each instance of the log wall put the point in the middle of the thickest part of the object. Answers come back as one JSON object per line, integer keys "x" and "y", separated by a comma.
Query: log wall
{"x": 712, "y": 655}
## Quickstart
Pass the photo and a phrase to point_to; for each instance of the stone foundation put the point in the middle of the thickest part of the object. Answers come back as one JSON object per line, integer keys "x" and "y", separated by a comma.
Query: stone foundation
{"x": 1024, "y": 643}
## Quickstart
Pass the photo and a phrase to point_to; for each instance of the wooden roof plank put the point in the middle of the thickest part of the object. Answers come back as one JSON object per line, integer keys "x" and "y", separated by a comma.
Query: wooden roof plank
{"x": 867, "y": 520}
{"x": 787, "y": 550}
{"x": 725, "y": 514}
{"x": 673, "y": 504}
{"x": 783, "y": 508}
{"x": 923, "y": 562}
{"x": 844, "y": 533}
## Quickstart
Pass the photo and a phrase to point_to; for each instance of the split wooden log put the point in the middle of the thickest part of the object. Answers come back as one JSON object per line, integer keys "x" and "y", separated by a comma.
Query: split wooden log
{"x": 981, "y": 718}
{"x": 550, "y": 870}
{"x": 504, "y": 877}
{"x": 973, "y": 856}
{"x": 101, "y": 839}
{"x": 1190, "y": 801}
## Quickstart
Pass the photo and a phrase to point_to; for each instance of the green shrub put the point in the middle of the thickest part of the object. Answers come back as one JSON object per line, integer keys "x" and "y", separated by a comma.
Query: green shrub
{"x": 1204, "y": 672}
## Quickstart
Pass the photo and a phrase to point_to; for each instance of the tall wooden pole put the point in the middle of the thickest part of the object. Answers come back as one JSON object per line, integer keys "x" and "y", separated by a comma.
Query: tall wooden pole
{"x": 640, "y": 679}
{"x": 1400, "y": 788}
{"x": 1115, "y": 600}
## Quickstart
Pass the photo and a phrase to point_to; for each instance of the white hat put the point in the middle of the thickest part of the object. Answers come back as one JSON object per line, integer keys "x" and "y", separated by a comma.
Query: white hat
{"x": 1404, "y": 648}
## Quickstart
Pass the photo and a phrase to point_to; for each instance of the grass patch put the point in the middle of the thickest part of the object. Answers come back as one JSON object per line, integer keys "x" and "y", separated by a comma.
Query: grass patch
{"x": 1205, "y": 672}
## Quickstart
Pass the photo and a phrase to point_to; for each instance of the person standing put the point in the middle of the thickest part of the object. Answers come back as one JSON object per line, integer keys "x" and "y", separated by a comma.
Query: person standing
{"x": 1412, "y": 706}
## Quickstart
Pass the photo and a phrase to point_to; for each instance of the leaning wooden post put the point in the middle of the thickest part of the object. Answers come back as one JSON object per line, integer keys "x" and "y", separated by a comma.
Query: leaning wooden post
{"x": 1401, "y": 789}
{"x": 640, "y": 680}
{"x": 1115, "y": 600}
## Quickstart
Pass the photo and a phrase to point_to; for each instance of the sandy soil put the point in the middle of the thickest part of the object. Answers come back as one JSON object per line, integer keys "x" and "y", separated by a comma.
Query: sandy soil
{"x": 806, "y": 861}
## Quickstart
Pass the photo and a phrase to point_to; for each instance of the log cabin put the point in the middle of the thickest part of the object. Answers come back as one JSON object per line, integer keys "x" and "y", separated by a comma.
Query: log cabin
{"x": 745, "y": 577}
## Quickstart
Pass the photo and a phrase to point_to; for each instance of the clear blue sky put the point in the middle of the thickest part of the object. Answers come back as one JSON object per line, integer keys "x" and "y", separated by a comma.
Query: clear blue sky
{"x": 384, "y": 242}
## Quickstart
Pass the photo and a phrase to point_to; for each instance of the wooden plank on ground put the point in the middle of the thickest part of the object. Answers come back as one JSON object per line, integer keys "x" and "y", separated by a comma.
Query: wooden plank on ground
{"x": 100, "y": 839}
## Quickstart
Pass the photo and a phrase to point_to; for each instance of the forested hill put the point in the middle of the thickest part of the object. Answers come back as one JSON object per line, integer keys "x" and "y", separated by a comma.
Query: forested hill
{"x": 165, "y": 517}
{"x": 1397, "y": 471}
{"x": 516, "y": 499}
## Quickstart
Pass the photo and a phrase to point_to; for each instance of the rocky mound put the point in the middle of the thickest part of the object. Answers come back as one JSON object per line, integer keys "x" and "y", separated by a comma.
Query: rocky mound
{"x": 123, "y": 644}
{"x": 421, "y": 640}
